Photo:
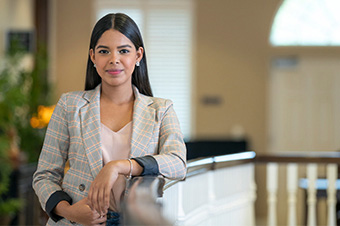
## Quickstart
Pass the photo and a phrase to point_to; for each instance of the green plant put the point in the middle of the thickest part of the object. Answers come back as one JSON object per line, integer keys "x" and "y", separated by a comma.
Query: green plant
{"x": 23, "y": 87}
{"x": 8, "y": 206}
{"x": 40, "y": 93}
{"x": 14, "y": 88}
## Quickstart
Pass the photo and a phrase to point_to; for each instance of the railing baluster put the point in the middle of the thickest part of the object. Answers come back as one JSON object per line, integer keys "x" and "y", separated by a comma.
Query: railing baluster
{"x": 311, "y": 200}
{"x": 272, "y": 185}
{"x": 292, "y": 185}
{"x": 253, "y": 196}
{"x": 211, "y": 194}
{"x": 332, "y": 174}
{"x": 181, "y": 212}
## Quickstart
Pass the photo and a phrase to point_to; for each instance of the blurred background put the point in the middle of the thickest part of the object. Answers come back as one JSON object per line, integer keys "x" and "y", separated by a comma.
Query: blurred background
{"x": 263, "y": 74}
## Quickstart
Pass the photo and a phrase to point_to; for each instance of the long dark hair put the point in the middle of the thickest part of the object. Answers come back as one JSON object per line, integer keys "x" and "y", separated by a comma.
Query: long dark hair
{"x": 125, "y": 25}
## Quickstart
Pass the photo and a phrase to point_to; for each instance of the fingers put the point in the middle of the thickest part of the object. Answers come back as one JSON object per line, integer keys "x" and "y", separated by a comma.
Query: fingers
{"x": 98, "y": 199}
{"x": 83, "y": 214}
{"x": 93, "y": 198}
{"x": 103, "y": 201}
{"x": 100, "y": 220}
{"x": 106, "y": 199}
{"x": 89, "y": 198}
{"x": 101, "y": 197}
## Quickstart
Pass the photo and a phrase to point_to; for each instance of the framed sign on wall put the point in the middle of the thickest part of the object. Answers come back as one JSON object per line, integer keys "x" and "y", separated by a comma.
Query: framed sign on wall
{"x": 20, "y": 40}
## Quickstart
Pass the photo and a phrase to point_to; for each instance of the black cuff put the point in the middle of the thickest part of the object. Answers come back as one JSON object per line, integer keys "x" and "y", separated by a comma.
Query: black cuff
{"x": 53, "y": 201}
{"x": 149, "y": 164}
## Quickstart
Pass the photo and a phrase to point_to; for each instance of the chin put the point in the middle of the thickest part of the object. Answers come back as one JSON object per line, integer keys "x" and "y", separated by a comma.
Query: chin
{"x": 118, "y": 83}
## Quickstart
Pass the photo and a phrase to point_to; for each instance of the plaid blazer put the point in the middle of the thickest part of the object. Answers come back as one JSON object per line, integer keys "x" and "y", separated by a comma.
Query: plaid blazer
{"x": 73, "y": 134}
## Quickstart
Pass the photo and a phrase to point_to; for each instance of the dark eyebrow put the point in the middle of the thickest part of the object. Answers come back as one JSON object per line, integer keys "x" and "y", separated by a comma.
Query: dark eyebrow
{"x": 124, "y": 46}
{"x": 101, "y": 46}
{"x": 119, "y": 47}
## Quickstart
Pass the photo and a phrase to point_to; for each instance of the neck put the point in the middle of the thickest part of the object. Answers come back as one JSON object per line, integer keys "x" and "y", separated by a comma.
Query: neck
{"x": 117, "y": 95}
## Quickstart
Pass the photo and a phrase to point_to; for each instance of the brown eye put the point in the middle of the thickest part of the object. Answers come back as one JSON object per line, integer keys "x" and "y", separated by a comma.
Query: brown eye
{"x": 124, "y": 51}
{"x": 103, "y": 51}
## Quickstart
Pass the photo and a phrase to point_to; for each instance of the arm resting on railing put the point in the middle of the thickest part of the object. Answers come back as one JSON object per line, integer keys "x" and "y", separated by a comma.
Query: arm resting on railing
{"x": 140, "y": 205}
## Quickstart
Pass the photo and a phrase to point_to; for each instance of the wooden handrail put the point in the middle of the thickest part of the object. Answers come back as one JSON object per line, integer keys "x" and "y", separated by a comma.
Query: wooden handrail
{"x": 299, "y": 157}
{"x": 292, "y": 160}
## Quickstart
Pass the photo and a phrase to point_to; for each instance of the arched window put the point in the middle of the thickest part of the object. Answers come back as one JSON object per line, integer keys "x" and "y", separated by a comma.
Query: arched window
{"x": 307, "y": 23}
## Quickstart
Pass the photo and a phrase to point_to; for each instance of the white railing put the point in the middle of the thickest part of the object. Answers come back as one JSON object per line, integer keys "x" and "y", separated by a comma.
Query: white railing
{"x": 217, "y": 191}
{"x": 221, "y": 190}
{"x": 309, "y": 161}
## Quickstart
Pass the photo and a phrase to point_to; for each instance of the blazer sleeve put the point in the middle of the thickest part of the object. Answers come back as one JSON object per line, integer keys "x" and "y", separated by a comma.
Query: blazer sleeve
{"x": 172, "y": 150}
{"x": 48, "y": 178}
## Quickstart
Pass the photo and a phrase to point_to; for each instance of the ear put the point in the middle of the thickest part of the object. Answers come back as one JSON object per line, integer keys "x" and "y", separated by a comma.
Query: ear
{"x": 92, "y": 56}
{"x": 139, "y": 54}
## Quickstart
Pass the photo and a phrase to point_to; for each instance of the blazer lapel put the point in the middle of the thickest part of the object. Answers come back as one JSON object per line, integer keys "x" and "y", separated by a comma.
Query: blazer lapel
{"x": 90, "y": 129}
{"x": 143, "y": 124}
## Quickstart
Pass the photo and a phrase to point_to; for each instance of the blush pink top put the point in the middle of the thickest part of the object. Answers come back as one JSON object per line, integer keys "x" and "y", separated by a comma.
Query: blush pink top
{"x": 116, "y": 146}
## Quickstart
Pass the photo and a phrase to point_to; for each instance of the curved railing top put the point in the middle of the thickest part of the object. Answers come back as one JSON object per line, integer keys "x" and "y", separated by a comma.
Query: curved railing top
{"x": 299, "y": 157}
{"x": 202, "y": 165}
{"x": 140, "y": 206}
{"x": 214, "y": 162}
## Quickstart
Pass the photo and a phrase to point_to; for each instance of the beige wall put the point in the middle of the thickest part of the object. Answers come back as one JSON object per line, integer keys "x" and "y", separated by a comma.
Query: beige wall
{"x": 71, "y": 27}
{"x": 14, "y": 15}
{"x": 232, "y": 62}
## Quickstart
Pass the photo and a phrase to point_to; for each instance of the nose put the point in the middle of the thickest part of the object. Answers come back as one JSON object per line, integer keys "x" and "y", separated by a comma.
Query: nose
{"x": 114, "y": 58}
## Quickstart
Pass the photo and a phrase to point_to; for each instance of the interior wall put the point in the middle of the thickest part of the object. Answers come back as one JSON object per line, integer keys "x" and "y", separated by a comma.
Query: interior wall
{"x": 71, "y": 26}
{"x": 14, "y": 15}
{"x": 232, "y": 64}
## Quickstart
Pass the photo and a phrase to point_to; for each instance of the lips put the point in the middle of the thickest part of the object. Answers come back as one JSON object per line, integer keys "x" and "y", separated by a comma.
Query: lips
{"x": 114, "y": 71}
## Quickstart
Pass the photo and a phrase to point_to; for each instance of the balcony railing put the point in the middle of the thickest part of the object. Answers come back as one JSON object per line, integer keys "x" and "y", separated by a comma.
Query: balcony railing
{"x": 310, "y": 161}
{"x": 221, "y": 190}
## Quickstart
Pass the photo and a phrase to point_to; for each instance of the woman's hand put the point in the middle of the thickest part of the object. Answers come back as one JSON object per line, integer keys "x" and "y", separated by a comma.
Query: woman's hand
{"x": 80, "y": 212}
{"x": 100, "y": 190}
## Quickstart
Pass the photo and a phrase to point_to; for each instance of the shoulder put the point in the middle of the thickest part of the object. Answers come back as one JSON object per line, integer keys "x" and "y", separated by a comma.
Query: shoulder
{"x": 70, "y": 98}
{"x": 159, "y": 104}
{"x": 75, "y": 98}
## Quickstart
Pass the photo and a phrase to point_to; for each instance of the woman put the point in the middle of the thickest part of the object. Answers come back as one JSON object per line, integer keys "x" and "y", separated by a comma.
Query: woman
{"x": 112, "y": 130}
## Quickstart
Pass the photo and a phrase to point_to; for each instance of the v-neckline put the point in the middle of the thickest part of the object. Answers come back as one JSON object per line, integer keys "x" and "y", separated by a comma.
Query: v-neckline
{"x": 118, "y": 130}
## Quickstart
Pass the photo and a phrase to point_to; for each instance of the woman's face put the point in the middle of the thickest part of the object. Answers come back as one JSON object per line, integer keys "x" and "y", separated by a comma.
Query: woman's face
{"x": 115, "y": 57}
